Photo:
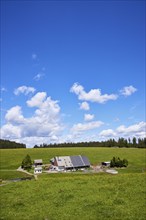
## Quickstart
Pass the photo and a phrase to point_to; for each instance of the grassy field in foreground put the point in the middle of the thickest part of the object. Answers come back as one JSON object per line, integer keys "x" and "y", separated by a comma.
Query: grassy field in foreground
{"x": 76, "y": 197}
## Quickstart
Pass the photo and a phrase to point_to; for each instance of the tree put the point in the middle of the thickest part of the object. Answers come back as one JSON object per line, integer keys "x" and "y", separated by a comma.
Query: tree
{"x": 134, "y": 141}
{"x": 112, "y": 162}
{"x": 26, "y": 163}
{"x": 36, "y": 146}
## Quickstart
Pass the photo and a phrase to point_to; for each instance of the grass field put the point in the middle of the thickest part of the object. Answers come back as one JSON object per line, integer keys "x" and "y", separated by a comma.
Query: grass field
{"x": 11, "y": 159}
{"x": 71, "y": 196}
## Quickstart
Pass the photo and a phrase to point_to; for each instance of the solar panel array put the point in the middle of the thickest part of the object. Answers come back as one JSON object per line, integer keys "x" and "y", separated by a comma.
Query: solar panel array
{"x": 76, "y": 161}
{"x": 86, "y": 161}
{"x": 79, "y": 161}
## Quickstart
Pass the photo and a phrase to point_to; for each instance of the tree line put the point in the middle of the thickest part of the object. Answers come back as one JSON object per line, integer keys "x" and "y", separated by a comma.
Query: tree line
{"x": 121, "y": 142}
{"x": 6, "y": 144}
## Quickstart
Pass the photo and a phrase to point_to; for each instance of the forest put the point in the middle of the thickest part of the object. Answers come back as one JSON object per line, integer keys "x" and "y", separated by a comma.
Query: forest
{"x": 6, "y": 144}
{"x": 121, "y": 142}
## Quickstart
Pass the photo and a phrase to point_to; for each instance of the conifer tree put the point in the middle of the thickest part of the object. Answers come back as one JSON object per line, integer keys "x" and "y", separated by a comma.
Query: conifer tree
{"x": 26, "y": 163}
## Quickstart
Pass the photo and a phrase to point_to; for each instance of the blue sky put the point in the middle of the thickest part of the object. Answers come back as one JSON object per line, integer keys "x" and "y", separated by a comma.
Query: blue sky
{"x": 72, "y": 70}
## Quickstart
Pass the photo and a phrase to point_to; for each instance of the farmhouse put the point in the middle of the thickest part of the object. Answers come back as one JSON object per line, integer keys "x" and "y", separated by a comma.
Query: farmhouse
{"x": 70, "y": 162}
{"x": 38, "y": 162}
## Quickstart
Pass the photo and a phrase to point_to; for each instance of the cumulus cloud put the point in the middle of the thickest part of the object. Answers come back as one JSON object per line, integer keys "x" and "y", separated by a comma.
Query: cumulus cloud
{"x": 10, "y": 131}
{"x": 14, "y": 115}
{"x": 128, "y": 90}
{"x": 24, "y": 90}
{"x": 88, "y": 117}
{"x": 84, "y": 106}
{"x": 136, "y": 130}
{"x": 107, "y": 133}
{"x": 45, "y": 122}
{"x": 37, "y": 100}
{"x": 94, "y": 95}
{"x": 81, "y": 127}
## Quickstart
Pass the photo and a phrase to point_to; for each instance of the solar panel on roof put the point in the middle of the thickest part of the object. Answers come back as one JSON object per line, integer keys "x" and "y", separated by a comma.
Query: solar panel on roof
{"x": 76, "y": 161}
{"x": 86, "y": 161}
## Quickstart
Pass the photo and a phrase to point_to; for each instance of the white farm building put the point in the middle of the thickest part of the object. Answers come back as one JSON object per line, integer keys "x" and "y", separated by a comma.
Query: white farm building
{"x": 37, "y": 170}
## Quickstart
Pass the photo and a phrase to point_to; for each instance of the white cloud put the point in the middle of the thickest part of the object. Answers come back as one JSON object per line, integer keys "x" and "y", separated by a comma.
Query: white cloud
{"x": 136, "y": 130}
{"x": 107, "y": 133}
{"x": 37, "y": 100}
{"x": 38, "y": 76}
{"x": 88, "y": 117}
{"x": 94, "y": 95}
{"x": 77, "y": 89}
{"x": 128, "y": 90}
{"x": 24, "y": 90}
{"x": 45, "y": 123}
{"x": 10, "y": 131}
{"x": 85, "y": 106}
{"x": 14, "y": 115}
{"x": 81, "y": 127}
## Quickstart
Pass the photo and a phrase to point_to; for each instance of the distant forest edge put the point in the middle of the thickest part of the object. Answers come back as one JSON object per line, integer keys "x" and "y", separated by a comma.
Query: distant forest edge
{"x": 121, "y": 142}
{"x": 6, "y": 144}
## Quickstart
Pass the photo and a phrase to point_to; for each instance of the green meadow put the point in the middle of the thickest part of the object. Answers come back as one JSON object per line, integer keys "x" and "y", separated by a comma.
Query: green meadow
{"x": 75, "y": 196}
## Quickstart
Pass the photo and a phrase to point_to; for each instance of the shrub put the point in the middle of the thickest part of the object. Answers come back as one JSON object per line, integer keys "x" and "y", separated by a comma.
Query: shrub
{"x": 125, "y": 163}
{"x": 117, "y": 162}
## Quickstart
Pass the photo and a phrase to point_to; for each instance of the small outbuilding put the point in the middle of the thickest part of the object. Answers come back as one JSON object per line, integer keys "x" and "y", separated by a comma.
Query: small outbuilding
{"x": 37, "y": 170}
{"x": 38, "y": 162}
{"x": 106, "y": 164}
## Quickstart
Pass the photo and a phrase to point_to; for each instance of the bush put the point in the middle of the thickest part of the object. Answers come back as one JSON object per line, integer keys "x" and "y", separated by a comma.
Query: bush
{"x": 117, "y": 162}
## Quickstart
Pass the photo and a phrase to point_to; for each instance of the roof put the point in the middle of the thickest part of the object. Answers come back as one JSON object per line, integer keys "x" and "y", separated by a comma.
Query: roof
{"x": 80, "y": 161}
{"x": 64, "y": 161}
{"x": 72, "y": 161}
{"x": 38, "y": 161}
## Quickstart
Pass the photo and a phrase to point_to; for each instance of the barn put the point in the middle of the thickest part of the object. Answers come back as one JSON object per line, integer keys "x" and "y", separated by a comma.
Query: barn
{"x": 70, "y": 162}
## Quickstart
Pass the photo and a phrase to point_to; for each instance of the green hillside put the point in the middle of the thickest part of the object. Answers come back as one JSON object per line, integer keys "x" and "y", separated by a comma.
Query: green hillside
{"x": 74, "y": 196}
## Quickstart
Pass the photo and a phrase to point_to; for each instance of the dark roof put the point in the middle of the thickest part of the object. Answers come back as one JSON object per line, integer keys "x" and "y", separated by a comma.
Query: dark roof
{"x": 85, "y": 160}
{"x": 79, "y": 161}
